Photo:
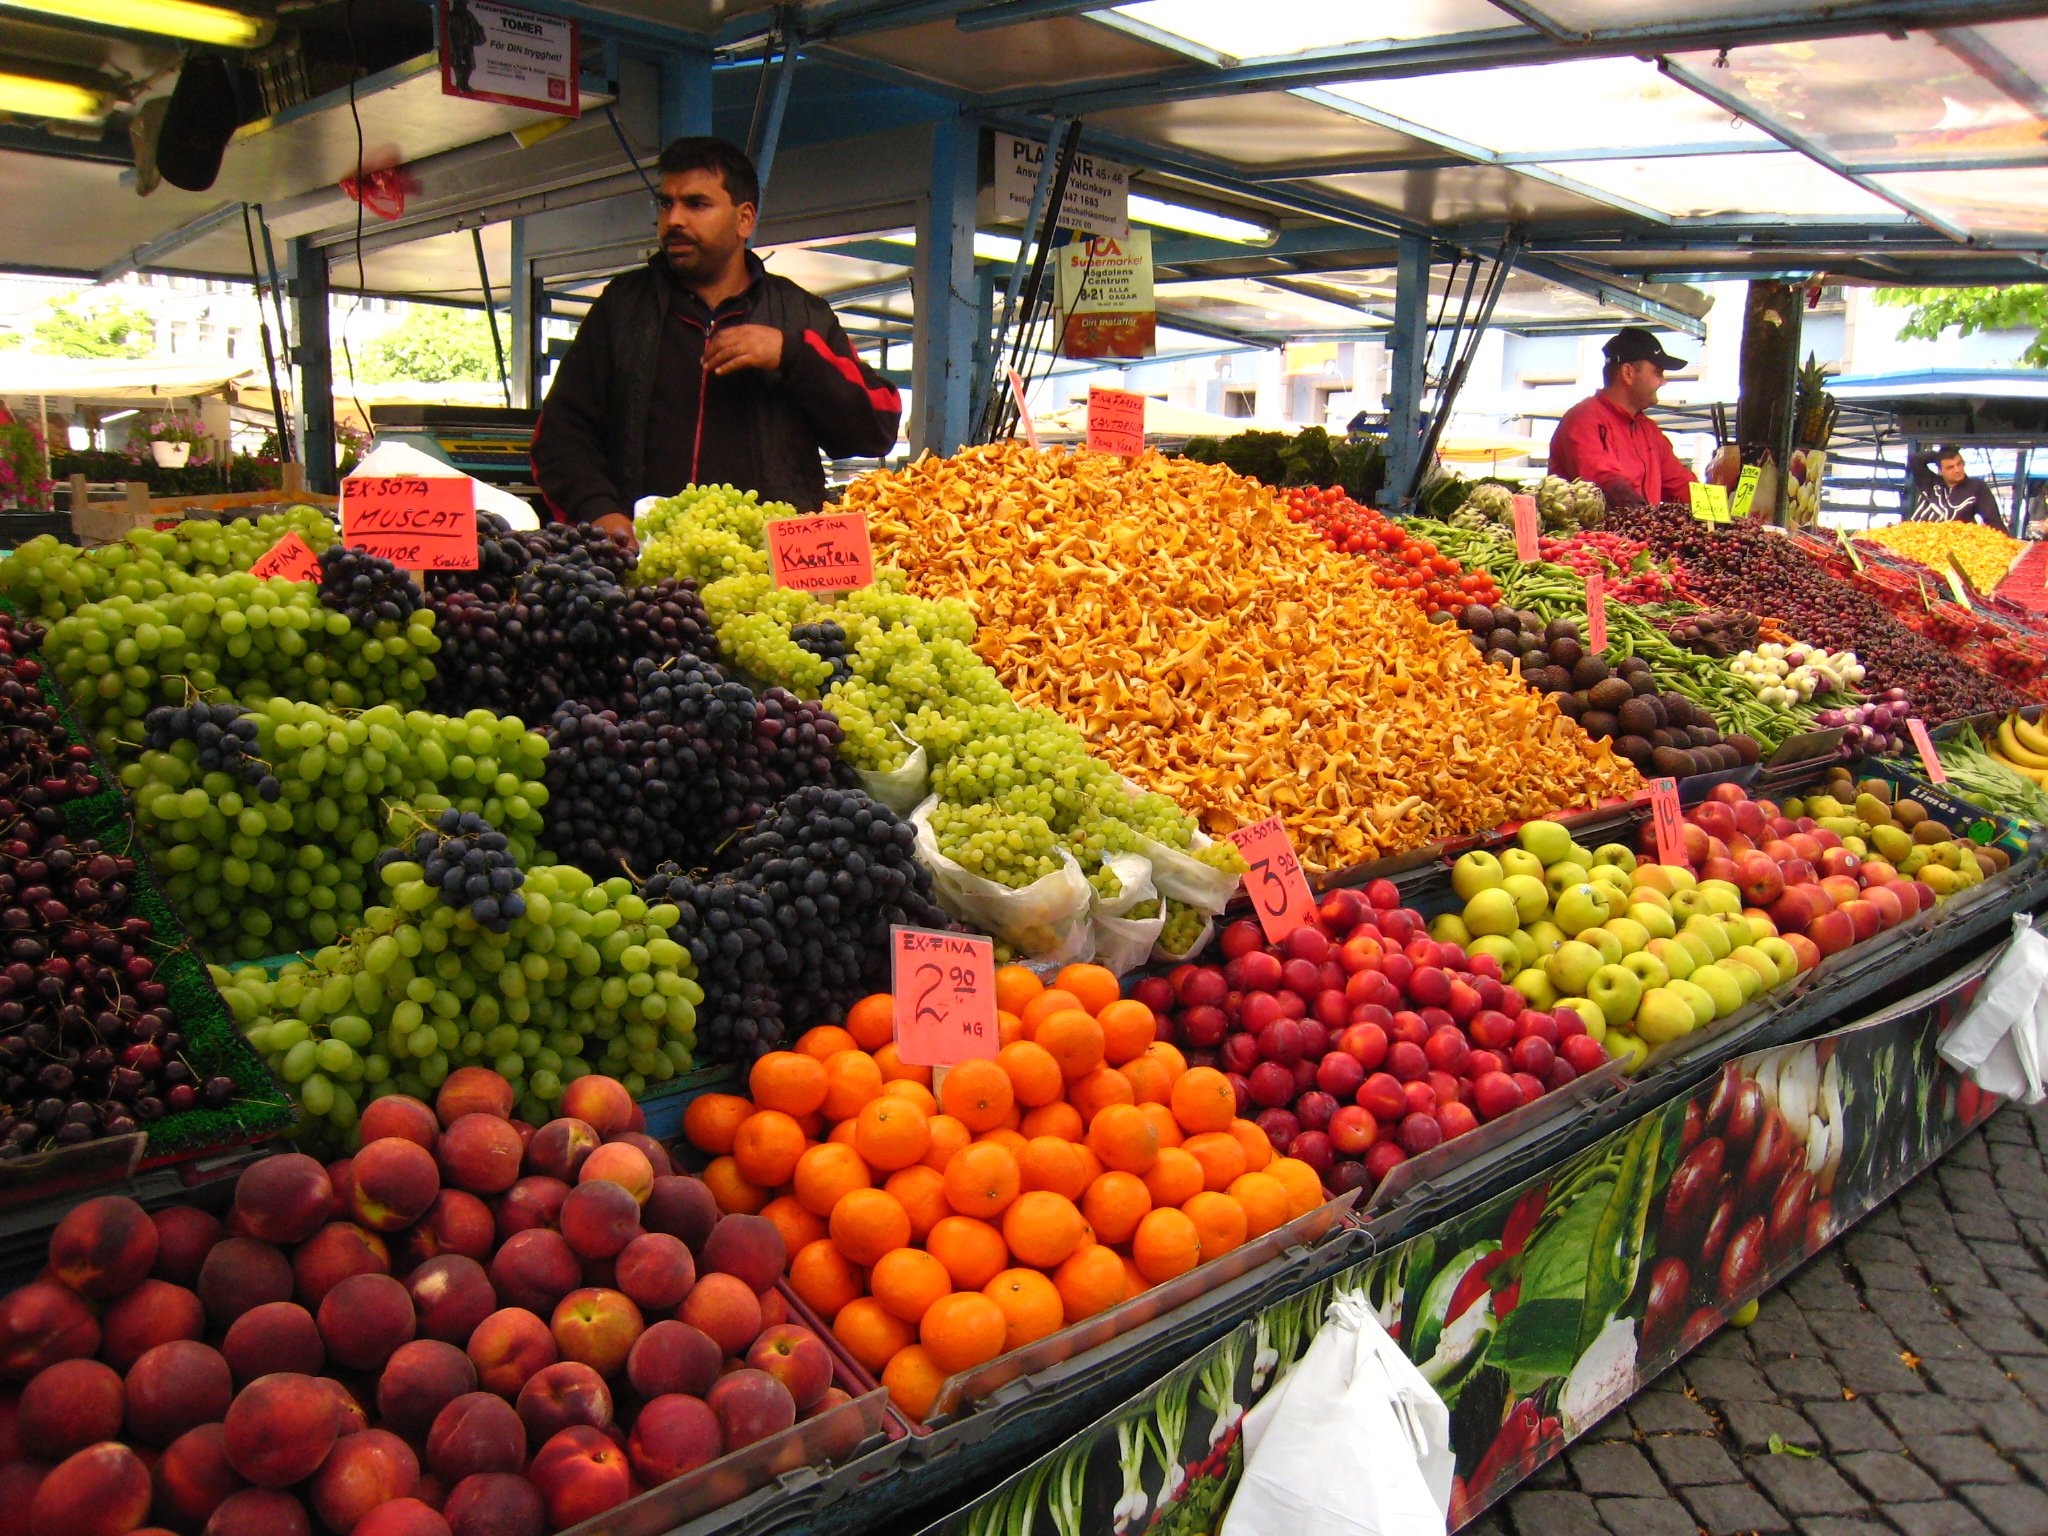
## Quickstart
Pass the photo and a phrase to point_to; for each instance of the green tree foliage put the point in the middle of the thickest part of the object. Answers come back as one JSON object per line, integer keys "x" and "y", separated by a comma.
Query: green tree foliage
{"x": 73, "y": 329}
{"x": 2020, "y": 307}
{"x": 431, "y": 345}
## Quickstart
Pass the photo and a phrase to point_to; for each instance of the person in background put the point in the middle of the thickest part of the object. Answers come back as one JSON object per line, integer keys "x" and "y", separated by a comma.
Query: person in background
{"x": 1610, "y": 440}
{"x": 1948, "y": 493}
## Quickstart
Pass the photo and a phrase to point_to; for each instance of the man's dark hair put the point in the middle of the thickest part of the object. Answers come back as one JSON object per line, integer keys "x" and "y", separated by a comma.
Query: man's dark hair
{"x": 729, "y": 161}
{"x": 1947, "y": 451}
{"x": 1609, "y": 371}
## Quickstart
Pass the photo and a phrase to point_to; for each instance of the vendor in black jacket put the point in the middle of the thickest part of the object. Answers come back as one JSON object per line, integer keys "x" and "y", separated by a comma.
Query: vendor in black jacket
{"x": 704, "y": 368}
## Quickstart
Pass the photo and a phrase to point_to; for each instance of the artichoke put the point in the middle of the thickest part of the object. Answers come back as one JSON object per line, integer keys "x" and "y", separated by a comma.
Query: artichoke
{"x": 1496, "y": 503}
{"x": 1590, "y": 503}
{"x": 1555, "y": 503}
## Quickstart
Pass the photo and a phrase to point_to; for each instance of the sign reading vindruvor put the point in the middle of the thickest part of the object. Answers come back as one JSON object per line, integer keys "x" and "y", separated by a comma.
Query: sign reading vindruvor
{"x": 1105, "y": 297}
{"x": 515, "y": 57}
{"x": 1097, "y": 200}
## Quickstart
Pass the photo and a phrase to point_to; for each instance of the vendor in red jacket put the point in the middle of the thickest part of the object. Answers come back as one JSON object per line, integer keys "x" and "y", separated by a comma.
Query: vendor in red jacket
{"x": 1610, "y": 441}
{"x": 703, "y": 368}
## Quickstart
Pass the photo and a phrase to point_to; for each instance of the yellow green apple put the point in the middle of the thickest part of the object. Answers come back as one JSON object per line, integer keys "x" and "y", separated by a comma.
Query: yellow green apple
{"x": 1765, "y": 967}
{"x": 1646, "y": 968}
{"x": 1655, "y": 920}
{"x": 1677, "y": 959}
{"x": 1704, "y": 1011}
{"x": 1475, "y": 872}
{"x": 1531, "y": 895}
{"x": 1498, "y": 945}
{"x": 1546, "y": 934}
{"x": 1616, "y": 990}
{"x": 1720, "y": 896}
{"x": 1571, "y": 966}
{"x": 1663, "y": 1016}
{"x": 1641, "y": 895}
{"x": 1527, "y": 951}
{"x": 1549, "y": 841}
{"x": 1713, "y": 933}
{"x": 1520, "y": 861}
{"x": 1449, "y": 928}
{"x": 1701, "y": 951}
{"x": 1492, "y": 910}
{"x": 1535, "y": 985}
{"x": 1722, "y": 985}
{"x": 1617, "y": 854}
{"x": 1562, "y": 877}
{"x": 1783, "y": 956}
{"x": 1609, "y": 944}
{"x": 1589, "y": 1014}
{"x": 1630, "y": 1050}
{"x": 1582, "y": 907}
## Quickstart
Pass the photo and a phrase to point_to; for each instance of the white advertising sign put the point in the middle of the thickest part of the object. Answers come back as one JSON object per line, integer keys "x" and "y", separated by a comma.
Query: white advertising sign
{"x": 1097, "y": 200}
{"x": 515, "y": 57}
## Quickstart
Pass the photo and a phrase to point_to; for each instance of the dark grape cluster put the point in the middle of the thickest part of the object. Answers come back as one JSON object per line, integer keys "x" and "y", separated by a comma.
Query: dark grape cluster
{"x": 666, "y": 619}
{"x": 474, "y": 867}
{"x": 368, "y": 588}
{"x": 826, "y": 641}
{"x": 225, "y": 735}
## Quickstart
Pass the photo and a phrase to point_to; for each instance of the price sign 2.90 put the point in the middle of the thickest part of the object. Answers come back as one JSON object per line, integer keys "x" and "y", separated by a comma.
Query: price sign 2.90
{"x": 944, "y": 986}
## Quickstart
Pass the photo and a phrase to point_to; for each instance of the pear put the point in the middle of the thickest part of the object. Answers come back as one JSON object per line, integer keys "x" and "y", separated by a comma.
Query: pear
{"x": 1892, "y": 843}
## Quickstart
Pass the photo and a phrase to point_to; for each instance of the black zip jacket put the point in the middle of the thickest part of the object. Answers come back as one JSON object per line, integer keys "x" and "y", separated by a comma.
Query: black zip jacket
{"x": 592, "y": 452}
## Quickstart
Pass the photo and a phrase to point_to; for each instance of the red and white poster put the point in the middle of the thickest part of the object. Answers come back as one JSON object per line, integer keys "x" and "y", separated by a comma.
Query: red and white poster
{"x": 1105, "y": 297}
{"x": 515, "y": 57}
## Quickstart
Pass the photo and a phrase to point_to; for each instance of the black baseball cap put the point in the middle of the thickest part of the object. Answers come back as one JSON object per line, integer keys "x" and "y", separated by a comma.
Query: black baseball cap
{"x": 1634, "y": 344}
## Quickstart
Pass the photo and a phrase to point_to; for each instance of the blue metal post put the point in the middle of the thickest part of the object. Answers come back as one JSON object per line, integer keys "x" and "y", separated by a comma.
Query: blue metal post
{"x": 986, "y": 353}
{"x": 315, "y": 357}
{"x": 1408, "y": 347}
{"x": 685, "y": 94}
{"x": 525, "y": 321}
{"x": 942, "y": 395}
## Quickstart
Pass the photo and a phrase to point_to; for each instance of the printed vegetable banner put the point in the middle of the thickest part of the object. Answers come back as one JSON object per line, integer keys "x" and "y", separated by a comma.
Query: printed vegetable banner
{"x": 1539, "y": 1312}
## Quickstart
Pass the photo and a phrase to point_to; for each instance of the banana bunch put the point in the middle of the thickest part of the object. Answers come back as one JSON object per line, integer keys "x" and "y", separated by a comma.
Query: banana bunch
{"x": 2022, "y": 746}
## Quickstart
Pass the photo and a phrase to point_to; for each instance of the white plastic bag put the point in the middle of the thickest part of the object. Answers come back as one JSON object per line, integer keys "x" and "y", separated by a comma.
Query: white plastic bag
{"x": 903, "y": 787}
{"x": 2001, "y": 1043}
{"x": 1183, "y": 878}
{"x": 1202, "y": 937}
{"x": 1350, "y": 1442}
{"x": 1046, "y": 920}
{"x": 1123, "y": 942}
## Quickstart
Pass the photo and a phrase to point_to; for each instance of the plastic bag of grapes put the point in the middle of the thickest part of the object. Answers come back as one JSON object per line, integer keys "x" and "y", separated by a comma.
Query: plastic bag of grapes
{"x": 1046, "y": 921}
{"x": 1127, "y": 927}
{"x": 904, "y": 787}
{"x": 1182, "y": 877}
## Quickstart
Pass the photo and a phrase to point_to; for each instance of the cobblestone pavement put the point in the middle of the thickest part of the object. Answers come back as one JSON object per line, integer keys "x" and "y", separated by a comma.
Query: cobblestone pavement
{"x": 1910, "y": 1359}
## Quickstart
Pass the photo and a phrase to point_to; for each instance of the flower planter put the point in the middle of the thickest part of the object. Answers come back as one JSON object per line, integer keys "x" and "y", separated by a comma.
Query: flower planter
{"x": 171, "y": 455}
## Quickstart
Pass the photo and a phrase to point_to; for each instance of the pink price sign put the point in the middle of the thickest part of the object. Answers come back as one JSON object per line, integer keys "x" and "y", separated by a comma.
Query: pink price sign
{"x": 1024, "y": 423}
{"x": 1116, "y": 422}
{"x": 1273, "y": 878}
{"x": 945, "y": 994}
{"x": 291, "y": 558}
{"x": 417, "y": 522}
{"x": 821, "y": 554}
{"x": 1924, "y": 745}
{"x": 1669, "y": 824}
{"x": 1525, "y": 529}
{"x": 1596, "y": 612}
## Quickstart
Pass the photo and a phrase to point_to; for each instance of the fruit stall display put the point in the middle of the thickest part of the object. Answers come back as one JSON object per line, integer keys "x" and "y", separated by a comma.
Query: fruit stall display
{"x": 1983, "y": 554}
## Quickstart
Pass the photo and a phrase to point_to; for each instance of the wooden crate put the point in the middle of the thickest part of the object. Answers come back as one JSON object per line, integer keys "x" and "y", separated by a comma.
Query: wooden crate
{"x": 106, "y": 522}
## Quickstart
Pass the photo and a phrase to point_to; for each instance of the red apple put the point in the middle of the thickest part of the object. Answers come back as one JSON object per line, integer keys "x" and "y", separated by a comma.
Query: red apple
{"x": 1353, "y": 1129}
{"x": 1760, "y": 880}
{"x": 1721, "y": 868}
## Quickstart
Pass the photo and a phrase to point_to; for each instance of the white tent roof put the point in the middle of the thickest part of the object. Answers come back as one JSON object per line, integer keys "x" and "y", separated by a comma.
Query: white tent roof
{"x": 24, "y": 374}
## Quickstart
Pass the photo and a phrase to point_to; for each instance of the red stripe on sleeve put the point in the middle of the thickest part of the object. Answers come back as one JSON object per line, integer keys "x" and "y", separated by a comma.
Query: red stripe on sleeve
{"x": 882, "y": 398}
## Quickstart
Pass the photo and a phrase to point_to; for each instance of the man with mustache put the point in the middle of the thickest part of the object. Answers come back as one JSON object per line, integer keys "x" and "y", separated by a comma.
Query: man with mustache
{"x": 703, "y": 368}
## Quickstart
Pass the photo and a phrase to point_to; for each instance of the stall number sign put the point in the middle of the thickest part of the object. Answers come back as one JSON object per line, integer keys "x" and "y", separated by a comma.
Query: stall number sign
{"x": 417, "y": 522}
{"x": 944, "y": 986}
{"x": 1745, "y": 490}
{"x": 1924, "y": 745}
{"x": 1096, "y": 201}
{"x": 1596, "y": 612}
{"x": 517, "y": 58}
{"x": 291, "y": 558}
{"x": 1273, "y": 878}
{"x": 1116, "y": 422}
{"x": 1665, "y": 819}
{"x": 1525, "y": 529}
{"x": 821, "y": 554}
{"x": 1709, "y": 502}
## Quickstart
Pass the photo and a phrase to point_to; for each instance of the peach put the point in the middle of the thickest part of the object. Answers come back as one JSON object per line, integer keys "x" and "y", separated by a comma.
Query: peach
{"x": 567, "y": 1392}
{"x": 751, "y": 1405}
{"x": 525, "y": 1128}
{"x": 598, "y": 1327}
{"x": 450, "y": 1296}
{"x": 103, "y": 1490}
{"x": 581, "y": 1472}
{"x": 535, "y": 1270}
{"x": 401, "y": 1115}
{"x": 457, "y": 1222}
{"x": 774, "y": 1312}
{"x": 19, "y": 1480}
{"x": 75, "y": 1403}
{"x": 279, "y": 1429}
{"x": 480, "y": 1153}
{"x": 154, "y": 1313}
{"x": 283, "y": 1199}
{"x": 184, "y": 1234}
{"x": 259, "y": 1512}
{"x": 419, "y": 1380}
{"x": 495, "y": 1504}
{"x": 797, "y": 1358}
{"x": 725, "y": 1307}
{"x": 673, "y": 1357}
{"x": 103, "y": 1247}
{"x": 749, "y": 1247}
{"x": 240, "y": 1273}
{"x": 365, "y": 1318}
{"x": 392, "y": 1183}
{"x": 331, "y": 1255}
{"x": 430, "y": 1491}
{"x": 681, "y": 1207}
{"x": 559, "y": 1147}
{"x": 834, "y": 1439}
{"x": 351, "y": 1413}
{"x": 600, "y": 1102}
{"x": 655, "y": 1153}
{"x": 402, "y": 1517}
{"x": 176, "y": 1387}
{"x": 341, "y": 1174}
{"x": 673, "y": 1435}
{"x": 508, "y": 1347}
{"x": 478, "y": 1432}
{"x": 41, "y": 1324}
{"x": 623, "y": 1165}
{"x": 473, "y": 1091}
{"x": 277, "y": 1336}
{"x": 598, "y": 1219}
{"x": 361, "y": 1472}
{"x": 656, "y": 1270}
{"x": 192, "y": 1477}
{"x": 10, "y": 1433}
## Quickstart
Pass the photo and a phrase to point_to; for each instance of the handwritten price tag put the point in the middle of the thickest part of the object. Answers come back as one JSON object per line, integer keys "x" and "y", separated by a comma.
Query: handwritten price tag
{"x": 1116, "y": 422}
{"x": 1596, "y": 612}
{"x": 417, "y": 522}
{"x": 1930, "y": 760}
{"x": 1709, "y": 502}
{"x": 1525, "y": 529}
{"x": 290, "y": 558}
{"x": 821, "y": 554}
{"x": 1024, "y": 423}
{"x": 1669, "y": 824}
{"x": 1849, "y": 549}
{"x": 945, "y": 994}
{"x": 1274, "y": 880}
{"x": 1745, "y": 490}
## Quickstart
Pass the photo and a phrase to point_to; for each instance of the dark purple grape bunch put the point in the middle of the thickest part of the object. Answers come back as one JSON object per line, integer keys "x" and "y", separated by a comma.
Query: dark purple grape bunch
{"x": 225, "y": 736}
{"x": 368, "y": 588}
{"x": 473, "y": 866}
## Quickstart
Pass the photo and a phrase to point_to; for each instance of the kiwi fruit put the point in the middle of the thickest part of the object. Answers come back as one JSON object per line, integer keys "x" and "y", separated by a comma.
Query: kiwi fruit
{"x": 1589, "y": 671}
{"x": 1929, "y": 831}
{"x": 1609, "y": 695}
{"x": 1909, "y": 813}
{"x": 1635, "y": 717}
{"x": 1879, "y": 790}
{"x": 1598, "y": 723}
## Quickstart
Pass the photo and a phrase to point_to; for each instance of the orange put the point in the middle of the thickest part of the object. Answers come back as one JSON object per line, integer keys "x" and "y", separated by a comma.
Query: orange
{"x": 1096, "y": 1090}
{"x": 1219, "y": 1221}
{"x": 798, "y": 1226}
{"x": 977, "y": 1094}
{"x": 1061, "y": 1120}
{"x": 730, "y": 1188}
{"x": 1009, "y": 1028}
{"x": 1258, "y": 1147}
{"x": 1043, "y": 1006}
{"x": 1030, "y": 1305}
{"x": 1124, "y": 1139}
{"x": 1049, "y": 1163}
{"x": 1167, "y": 1243}
{"x": 1042, "y": 1228}
{"x": 982, "y": 1180}
{"x": 1002, "y": 1136}
{"x": 872, "y": 1021}
{"x": 1127, "y": 1028}
{"x": 827, "y": 1172}
{"x": 1035, "y": 1078}
{"x": 921, "y": 1191}
{"x": 1074, "y": 1039}
{"x": 972, "y": 1251}
{"x": 1221, "y": 1157}
{"x": 1304, "y": 1188}
{"x": 867, "y": 1223}
{"x": 1163, "y": 1051}
{"x": 1174, "y": 1178}
{"x": 895, "y": 1069}
{"x": 907, "y": 1282}
{"x": 1265, "y": 1202}
{"x": 948, "y": 1137}
{"x": 842, "y": 1133}
{"x": 1091, "y": 1281}
{"x": 812, "y": 1125}
{"x": 766, "y": 1147}
{"x": 825, "y": 1042}
{"x": 871, "y": 1332}
{"x": 1151, "y": 1082}
{"x": 907, "y": 1088}
{"x": 1016, "y": 985}
{"x": 1093, "y": 1162}
{"x": 1095, "y": 985}
{"x": 1135, "y": 1283}
{"x": 1203, "y": 1100}
{"x": 854, "y": 1079}
{"x": 1162, "y": 1121}
{"x": 823, "y": 1279}
{"x": 891, "y": 1133}
{"x": 1115, "y": 1204}
{"x": 913, "y": 1381}
{"x": 787, "y": 1081}
{"x": 962, "y": 1330}
{"x": 712, "y": 1119}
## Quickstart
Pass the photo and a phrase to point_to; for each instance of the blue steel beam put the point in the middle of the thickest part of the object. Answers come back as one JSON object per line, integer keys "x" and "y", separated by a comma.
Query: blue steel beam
{"x": 1408, "y": 355}
{"x": 1617, "y": 294}
{"x": 946, "y": 306}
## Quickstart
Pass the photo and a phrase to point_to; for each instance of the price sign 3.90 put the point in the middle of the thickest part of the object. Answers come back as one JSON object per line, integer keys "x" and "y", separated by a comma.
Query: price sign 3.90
{"x": 1273, "y": 878}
